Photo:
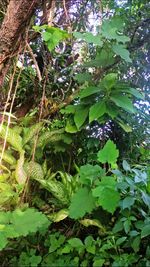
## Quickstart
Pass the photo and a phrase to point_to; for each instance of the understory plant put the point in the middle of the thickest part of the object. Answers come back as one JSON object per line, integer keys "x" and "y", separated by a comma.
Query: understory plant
{"x": 74, "y": 157}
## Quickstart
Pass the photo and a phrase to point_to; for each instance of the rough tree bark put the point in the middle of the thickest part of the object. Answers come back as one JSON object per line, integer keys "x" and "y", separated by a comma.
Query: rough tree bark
{"x": 12, "y": 31}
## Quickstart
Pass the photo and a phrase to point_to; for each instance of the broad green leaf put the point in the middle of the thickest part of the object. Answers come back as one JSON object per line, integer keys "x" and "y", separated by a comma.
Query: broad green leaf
{"x": 128, "y": 202}
{"x": 112, "y": 110}
{"x": 89, "y": 38}
{"x": 105, "y": 194}
{"x": 82, "y": 202}
{"x": 51, "y": 45}
{"x": 67, "y": 138}
{"x": 131, "y": 91}
{"x": 89, "y": 91}
{"x": 127, "y": 226}
{"x": 126, "y": 165}
{"x": 46, "y": 36}
{"x": 116, "y": 22}
{"x": 70, "y": 109}
{"x": 136, "y": 243}
{"x": 90, "y": 244}
{"x": 120, "y": 240}
{"x": 106, "y": 182}
{"x": 111, "y": 27}
{"x": 70, "y": 127}
{"x": 105, "y": 191}
{"x": 98, "y": 262}
{"x": 123, "y": 102}
{"x": 121, "y": 51}
{"x": 109, "y": 153}
{"x": 82, "y": 77}
{"x": 89, "y": 222}
{"x": 145, "y": 230}
{"x": 97, "y": 110}
{"x": 80, "y": 115}
{"x": 58, "y": 216}
{"x": 28, "y": 221}
{"x": 55, "y": 241}
{"x": 88, "y": 173}
{"x": 146, "y": 198}
{"x": 136, "y": 93}
{"x": 75, "y": 242}
{"x": 108, "y": 31}
{"x": 20, "y": 223}
{"x": 103, "y": 59}
{"x": 110, "y": 80}
{"x": 124, "y": 126}
{"x": 3, "y": 240}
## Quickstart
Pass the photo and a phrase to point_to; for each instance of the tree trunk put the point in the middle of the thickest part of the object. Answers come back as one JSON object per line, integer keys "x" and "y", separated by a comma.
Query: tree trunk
{"x": 12, "y": 31}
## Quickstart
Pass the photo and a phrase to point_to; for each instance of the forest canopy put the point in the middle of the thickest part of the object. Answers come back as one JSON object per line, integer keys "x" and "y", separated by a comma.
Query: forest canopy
{"x": 74, "y": 133}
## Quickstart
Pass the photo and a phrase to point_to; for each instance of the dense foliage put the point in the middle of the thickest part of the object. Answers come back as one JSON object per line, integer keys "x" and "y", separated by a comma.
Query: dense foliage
{"x": 74, "y": 134}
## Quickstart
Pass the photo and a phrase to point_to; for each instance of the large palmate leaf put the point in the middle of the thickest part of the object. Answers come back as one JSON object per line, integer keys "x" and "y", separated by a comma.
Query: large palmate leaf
{"x": 102, "y": 59}
{"x": 89, "y": 38}
{"x": 109, "y": 153}
{"x": 106, "y": 193}
{"x": 51, "y": 35}
{"x": 121, "y": 51}
{"x": 111, "y": 27}
{"x": 20, "y": 223}
{"x": 89, "y": 173}
{"x": 82, "y": 202}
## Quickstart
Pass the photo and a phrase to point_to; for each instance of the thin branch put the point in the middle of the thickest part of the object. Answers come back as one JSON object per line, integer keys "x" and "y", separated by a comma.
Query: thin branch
{"x": 35, "y": 62}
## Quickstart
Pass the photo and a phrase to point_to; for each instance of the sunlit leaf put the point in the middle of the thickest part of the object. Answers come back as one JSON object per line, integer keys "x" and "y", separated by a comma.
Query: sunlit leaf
{"x": 109, "y": 153}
